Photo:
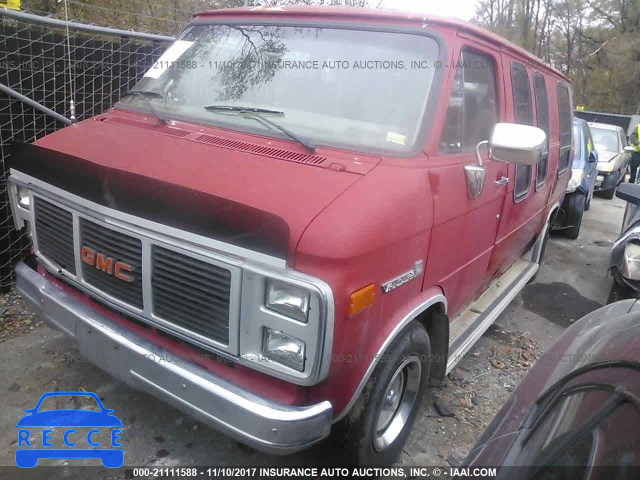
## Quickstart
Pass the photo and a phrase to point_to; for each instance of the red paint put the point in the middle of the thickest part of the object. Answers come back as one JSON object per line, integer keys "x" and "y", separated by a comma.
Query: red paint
{"x": 355, "y": 219}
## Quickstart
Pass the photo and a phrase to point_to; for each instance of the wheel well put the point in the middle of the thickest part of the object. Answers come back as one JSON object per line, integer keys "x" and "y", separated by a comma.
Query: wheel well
{"x": 554, "y": 214}
{"x": 436, "y": 322}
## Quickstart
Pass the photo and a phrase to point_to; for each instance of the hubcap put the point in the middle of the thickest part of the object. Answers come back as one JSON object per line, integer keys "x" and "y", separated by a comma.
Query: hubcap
{"x": 397, "y": 403}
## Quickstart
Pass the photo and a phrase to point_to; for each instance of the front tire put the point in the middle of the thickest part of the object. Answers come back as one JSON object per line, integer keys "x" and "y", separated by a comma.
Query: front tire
{"x": 608, "y": 194}
{"x": 619, "y": 292}
{"x": 379, "y": 423}
{"x": 577, "y": 204}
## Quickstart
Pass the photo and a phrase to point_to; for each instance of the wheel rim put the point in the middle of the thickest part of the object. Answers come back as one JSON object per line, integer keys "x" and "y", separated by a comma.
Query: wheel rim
{"x": 397, "y": 403}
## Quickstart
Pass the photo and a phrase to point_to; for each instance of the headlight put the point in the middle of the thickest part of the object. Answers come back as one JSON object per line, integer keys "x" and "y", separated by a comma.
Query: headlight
{"x": 283, "y": 348}
{"x": 605, "y": 166}
{"x": 631, "y": 267}
{"x": 23, "y": 198}
{"x": 287, "y": 299}
{"x": 577, "y": 175}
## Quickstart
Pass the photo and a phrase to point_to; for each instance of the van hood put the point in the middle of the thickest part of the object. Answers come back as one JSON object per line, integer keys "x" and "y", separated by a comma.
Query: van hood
{"x": 259, "y": 195}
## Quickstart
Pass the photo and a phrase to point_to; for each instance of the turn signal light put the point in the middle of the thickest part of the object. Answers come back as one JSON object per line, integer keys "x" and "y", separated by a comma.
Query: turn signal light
{"x": 361, "y": 299}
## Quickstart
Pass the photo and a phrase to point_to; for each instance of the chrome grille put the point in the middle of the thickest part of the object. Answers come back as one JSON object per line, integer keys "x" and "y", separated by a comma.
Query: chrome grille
{"x": 116, "y": 247}
{"x": 54, "y": 227}
{"x": 185, "y": 293}
{"x": 191, "y": 293}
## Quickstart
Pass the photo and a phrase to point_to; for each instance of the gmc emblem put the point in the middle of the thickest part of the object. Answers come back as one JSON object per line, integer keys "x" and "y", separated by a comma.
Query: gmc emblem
{"x": 106, "y": 264}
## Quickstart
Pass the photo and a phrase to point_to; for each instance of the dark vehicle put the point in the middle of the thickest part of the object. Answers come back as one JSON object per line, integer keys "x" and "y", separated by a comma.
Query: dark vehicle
{"x": 625, "y": 253}
{"x": 584, "y": 171}
{"x": 578, "y": 409}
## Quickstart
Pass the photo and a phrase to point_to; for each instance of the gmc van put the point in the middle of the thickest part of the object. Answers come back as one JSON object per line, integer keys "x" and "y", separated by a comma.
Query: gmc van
{"x": 313, "y": 213}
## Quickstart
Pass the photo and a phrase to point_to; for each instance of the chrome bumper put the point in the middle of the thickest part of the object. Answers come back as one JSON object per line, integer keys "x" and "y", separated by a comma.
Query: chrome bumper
{"x": 259, "y": 423}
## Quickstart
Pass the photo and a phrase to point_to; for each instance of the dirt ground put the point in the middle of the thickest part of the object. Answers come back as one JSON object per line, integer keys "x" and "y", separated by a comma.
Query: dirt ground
{"x": 573, "y": 282}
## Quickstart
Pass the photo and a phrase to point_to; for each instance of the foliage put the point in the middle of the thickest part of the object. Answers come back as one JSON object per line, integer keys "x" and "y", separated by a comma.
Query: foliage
{"x": 596, "y": 43}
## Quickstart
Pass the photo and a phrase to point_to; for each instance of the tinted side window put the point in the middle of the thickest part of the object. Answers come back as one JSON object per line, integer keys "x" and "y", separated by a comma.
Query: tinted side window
{"x": 564, "y": 110}
{"x": 542, "y": 107}
{"x": 524, "y": 115}
{"x": 473, "y": 107}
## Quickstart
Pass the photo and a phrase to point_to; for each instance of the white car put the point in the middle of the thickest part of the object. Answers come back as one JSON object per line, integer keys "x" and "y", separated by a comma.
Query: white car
{"x": 610, "y": 142}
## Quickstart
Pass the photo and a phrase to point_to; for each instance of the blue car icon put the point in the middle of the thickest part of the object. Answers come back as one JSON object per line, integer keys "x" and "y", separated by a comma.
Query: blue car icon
{"x": 69, "y": 418}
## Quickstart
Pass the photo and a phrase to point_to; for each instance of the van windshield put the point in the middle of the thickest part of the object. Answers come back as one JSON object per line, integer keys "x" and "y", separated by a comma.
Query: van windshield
{"x": 354, "y": 89}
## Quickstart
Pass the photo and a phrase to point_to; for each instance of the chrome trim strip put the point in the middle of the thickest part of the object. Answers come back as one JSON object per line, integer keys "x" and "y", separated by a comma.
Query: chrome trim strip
{"x": 394, "y": 333}
{"x": 154, "y": 230}
{"x": 263, "y": 424}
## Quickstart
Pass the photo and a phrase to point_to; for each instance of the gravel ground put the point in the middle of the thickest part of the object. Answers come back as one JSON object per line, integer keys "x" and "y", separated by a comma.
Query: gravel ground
{"x": 572, "y": 282}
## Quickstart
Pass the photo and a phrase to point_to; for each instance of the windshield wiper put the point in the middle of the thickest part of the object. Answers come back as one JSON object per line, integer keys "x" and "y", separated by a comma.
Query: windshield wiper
{"x": 258, "y": 114}
{"x": 149, "y": 93}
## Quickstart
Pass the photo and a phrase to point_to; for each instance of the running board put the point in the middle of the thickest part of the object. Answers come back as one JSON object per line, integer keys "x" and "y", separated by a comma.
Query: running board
{"x": 469, "y": 326}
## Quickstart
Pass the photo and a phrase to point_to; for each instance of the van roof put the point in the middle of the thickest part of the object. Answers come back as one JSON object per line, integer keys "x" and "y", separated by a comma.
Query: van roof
{"x": 357, "y": 14}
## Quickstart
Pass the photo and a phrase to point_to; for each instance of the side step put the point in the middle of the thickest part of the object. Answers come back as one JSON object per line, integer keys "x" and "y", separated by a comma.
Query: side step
{"x": 469, "y": 326}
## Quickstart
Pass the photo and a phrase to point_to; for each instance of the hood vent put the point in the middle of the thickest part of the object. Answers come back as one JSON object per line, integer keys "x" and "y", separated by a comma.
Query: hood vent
{"x": 262, "y": 150}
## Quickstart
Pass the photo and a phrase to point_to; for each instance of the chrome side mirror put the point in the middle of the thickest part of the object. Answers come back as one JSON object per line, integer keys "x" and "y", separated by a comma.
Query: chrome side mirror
{"x": 517, "y": 144}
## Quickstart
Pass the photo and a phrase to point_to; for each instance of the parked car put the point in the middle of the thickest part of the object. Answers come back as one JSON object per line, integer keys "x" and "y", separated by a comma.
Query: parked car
{"x": 610, "y": 142}
{"x": 625, "y": 253}
{"x": 577, "y": 409}
{"x": 582, "y": 184}
{"x": 332, "y": 237}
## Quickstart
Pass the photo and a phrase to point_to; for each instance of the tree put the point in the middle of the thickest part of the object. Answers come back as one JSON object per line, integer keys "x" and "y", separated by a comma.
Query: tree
{"x": 594, "y": 42}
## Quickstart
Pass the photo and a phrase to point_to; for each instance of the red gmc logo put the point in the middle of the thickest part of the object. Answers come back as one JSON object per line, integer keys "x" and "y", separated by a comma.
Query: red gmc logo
{"x": 106, "y": 264}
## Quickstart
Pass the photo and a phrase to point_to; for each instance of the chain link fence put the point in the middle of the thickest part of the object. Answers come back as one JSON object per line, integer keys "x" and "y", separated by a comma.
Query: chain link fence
{"x": 40, "y": 61}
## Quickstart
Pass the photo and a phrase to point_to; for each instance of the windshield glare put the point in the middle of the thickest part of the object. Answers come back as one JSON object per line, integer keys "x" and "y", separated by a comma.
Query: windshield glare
{"x": 361, "y": 90}
{"x": 604, "y": 139}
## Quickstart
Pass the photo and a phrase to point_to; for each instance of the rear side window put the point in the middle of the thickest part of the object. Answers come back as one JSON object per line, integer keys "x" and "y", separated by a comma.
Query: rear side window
{"x": 523, "y": 115}
{"x": 473, "y": 107}
{"x": 542, "y": 107}
{"x": 564, "y": 110}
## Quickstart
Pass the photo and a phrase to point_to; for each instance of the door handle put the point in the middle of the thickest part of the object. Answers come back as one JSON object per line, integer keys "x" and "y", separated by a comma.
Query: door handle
{"x": 503, "y": 181}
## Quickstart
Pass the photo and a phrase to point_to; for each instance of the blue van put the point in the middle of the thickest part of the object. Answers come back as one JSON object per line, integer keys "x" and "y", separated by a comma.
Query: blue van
{"x": 584, "y": 173}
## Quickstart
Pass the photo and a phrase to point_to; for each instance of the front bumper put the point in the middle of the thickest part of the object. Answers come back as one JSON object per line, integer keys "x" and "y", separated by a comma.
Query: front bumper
{"x": 606, "y": 180}
{"x": 253, "y": 420}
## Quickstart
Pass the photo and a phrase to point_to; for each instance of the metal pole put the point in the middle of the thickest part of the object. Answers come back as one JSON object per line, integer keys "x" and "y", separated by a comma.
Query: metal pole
{"x": 81, "y": 27}
{"x": 33, "y": 104}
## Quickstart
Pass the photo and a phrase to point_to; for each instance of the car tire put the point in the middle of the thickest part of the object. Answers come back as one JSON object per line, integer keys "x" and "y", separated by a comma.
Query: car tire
{"x": 577, "y": 205}
{"x": 377, "y": 427}
{"x": 608, "y": 194}
{"x": 619, "y": 292}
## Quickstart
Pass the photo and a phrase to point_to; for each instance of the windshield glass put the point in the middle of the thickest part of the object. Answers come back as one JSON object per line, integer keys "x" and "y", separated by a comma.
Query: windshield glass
{"x": 605, "y": 139}
{"x": 74, "y": 402}
{"x": 361, "y": 90}
{"x": 577, "y": 153}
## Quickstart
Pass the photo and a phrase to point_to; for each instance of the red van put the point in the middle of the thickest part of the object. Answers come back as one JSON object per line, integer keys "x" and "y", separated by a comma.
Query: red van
{"x": 299, "y": 218}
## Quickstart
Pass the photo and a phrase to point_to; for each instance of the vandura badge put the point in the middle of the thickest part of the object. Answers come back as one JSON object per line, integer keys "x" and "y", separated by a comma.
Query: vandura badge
{"x": 106, "y": 264}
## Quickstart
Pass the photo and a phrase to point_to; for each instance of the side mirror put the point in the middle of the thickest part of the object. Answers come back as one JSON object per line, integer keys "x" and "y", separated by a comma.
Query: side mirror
{"x": 593, "y": 156}
{"x": 629, "y": 192}
{"x": 518, "y": 144}
{"x": 629, "y": 148}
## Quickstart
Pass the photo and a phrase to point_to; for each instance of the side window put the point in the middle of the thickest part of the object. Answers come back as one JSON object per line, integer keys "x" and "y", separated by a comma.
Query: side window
{"x": 542, "y": 107}
{"x": 524, "y": 115}
{"x": 564, "y": 110}
{"x": 473, "y": 107}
